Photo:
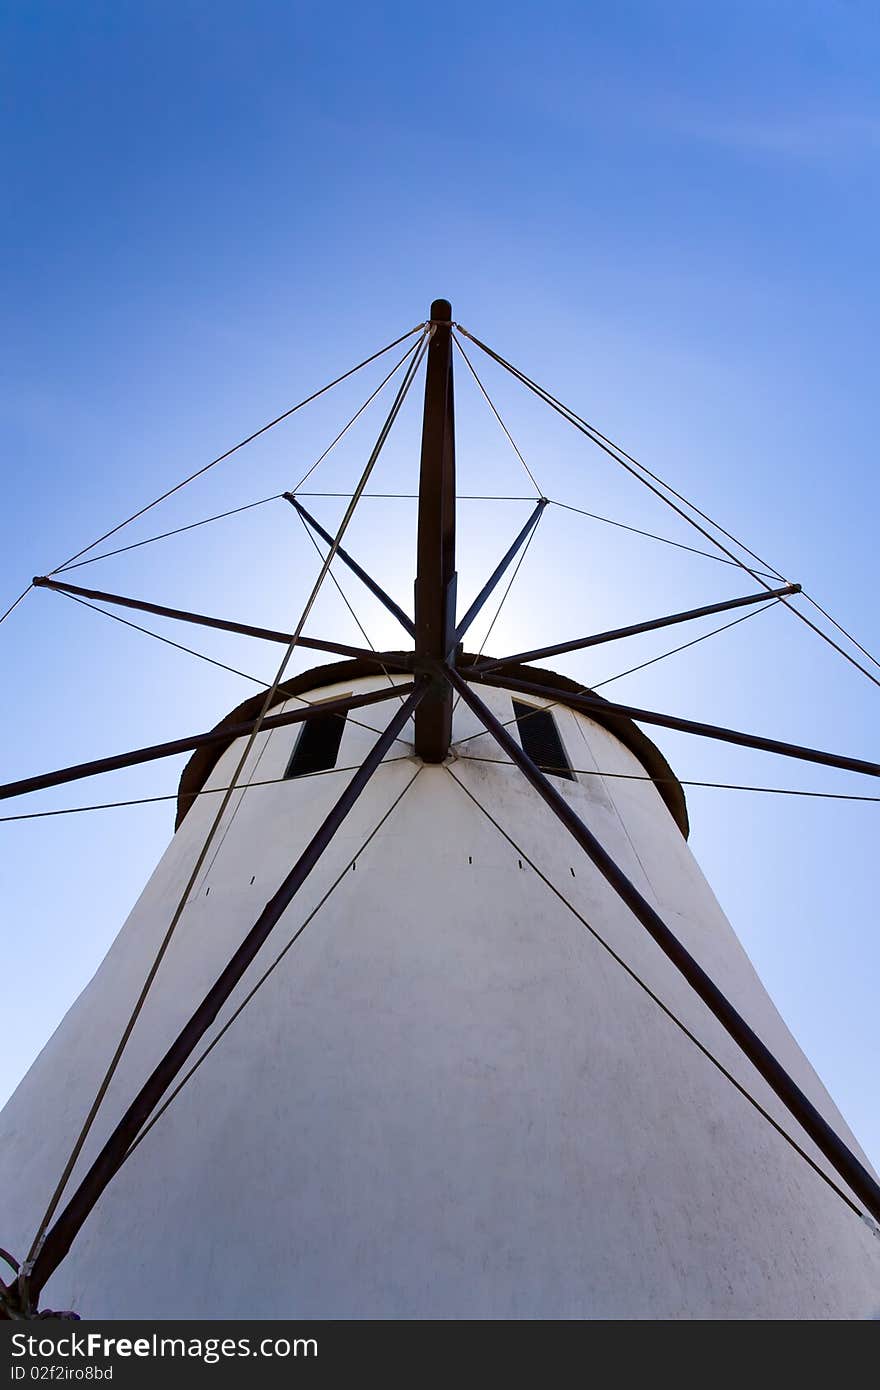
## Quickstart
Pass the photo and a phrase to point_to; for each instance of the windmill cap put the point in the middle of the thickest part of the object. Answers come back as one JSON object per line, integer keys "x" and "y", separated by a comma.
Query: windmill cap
{"x": 204, "y": 760}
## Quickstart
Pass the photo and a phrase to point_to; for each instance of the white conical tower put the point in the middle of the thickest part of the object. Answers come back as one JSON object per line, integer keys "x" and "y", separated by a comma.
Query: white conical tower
{"x": 459, "y": 1079}
{"x": 448, "y": 1100}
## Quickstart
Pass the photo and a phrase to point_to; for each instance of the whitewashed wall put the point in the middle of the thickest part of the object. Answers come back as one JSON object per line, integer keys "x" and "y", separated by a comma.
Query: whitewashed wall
{"x": 448, "y": 1101}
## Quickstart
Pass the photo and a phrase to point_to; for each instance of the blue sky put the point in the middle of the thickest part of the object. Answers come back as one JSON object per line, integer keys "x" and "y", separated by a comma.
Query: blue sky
{"x": 667, "y": 213}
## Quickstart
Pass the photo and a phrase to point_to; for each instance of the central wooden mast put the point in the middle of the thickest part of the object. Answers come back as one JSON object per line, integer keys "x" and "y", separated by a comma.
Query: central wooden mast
{"x": 435, "y": 576}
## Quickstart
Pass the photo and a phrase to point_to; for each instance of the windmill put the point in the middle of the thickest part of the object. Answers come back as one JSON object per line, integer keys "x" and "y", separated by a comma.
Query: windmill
{"x": 519, "y": 1066}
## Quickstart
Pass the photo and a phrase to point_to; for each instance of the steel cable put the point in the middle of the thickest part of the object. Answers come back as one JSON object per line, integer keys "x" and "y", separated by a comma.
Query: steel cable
{"x": 638, "y": 470}
{"x": 415, "y": 358}
{"x": 240, "y": 445}
{"x": 521, "y": 853}
{"x": 249, "y": 996}
{"x": 495, "y": 412}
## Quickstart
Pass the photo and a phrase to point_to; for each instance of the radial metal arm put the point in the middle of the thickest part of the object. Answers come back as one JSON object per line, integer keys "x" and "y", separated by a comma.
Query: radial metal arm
{"x": 224, "y": 734}
{"x": 60, "y": 1236}
{"x": 498, "y": 573}
{"x": 800, "y": 1106}
{"x": 267, "y": 634}
{"x": 374, "y": 588}
{"x": 592, "y": 704}
{"x": 634, "y": 629}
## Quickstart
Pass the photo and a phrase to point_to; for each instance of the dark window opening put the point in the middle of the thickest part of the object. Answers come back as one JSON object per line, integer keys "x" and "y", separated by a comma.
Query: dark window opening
{"x": 540, "y": 739}
{"x": 317, "y": 747}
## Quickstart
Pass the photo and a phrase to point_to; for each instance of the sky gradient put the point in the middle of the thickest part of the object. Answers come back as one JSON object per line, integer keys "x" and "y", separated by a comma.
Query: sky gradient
{"x": 666, "y": 214}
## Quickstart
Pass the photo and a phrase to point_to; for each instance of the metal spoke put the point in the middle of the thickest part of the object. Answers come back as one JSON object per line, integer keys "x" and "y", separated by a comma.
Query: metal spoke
{"x": 589, "y": 704}
{"x": 266, "y": 634}
{"x": 223, "y": 734}
{"x": 498, "y": 573}
{"x": 60, "y": 1236}
{"x": 374, "y": 588}
{"x": 800, "y": 1106}
{"x": 634, "y": 629}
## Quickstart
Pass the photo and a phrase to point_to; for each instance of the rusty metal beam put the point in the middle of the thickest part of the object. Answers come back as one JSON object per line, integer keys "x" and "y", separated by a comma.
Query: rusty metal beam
{"x": 634, "y": 629}
{"x": 374, "y": 588}
{"x": 268, "y": 634}
{"x": 589, "y": 704}
{"x": 224, "y": 734}
{"x": 498, "y": 573}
